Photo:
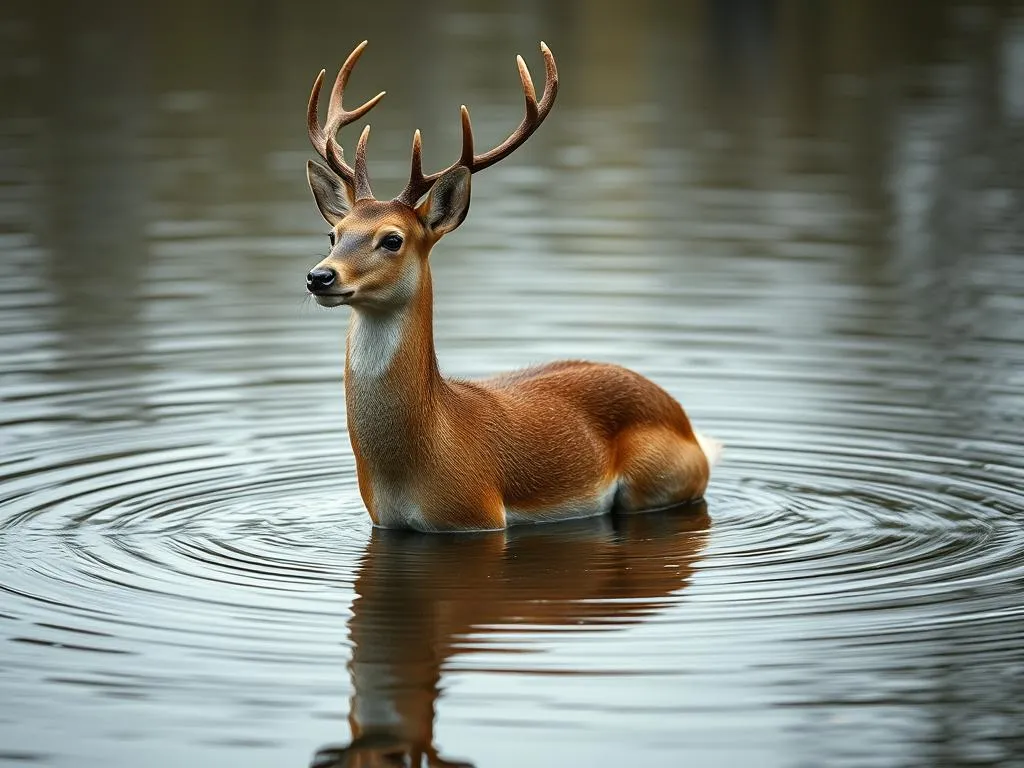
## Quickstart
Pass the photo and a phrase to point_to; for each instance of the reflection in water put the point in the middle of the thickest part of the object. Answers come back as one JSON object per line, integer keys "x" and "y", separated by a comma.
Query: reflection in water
{"x": 422, "y": 600}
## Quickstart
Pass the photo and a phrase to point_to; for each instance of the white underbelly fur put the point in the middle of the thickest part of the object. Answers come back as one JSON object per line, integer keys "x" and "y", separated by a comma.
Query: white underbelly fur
{"x": 596, "y": 505}
{"x": 397, "y": 508}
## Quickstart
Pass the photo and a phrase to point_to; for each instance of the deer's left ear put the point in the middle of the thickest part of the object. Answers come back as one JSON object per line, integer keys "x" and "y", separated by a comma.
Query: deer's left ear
{"x": 448, "y": 202}
{"x": 333, "y": 196}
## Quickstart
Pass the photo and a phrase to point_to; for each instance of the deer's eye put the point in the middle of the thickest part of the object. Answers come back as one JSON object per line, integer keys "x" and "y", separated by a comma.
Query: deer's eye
{"x": 330, "y": 236}
{"x": 391, "y": 242}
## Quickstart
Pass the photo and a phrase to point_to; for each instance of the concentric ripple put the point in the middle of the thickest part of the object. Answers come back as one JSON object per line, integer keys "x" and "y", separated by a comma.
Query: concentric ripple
{"x": 201, "y": 577}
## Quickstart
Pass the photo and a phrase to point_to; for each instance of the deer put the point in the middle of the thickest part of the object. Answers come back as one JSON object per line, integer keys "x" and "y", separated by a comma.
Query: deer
{"x": 561, "y": 440}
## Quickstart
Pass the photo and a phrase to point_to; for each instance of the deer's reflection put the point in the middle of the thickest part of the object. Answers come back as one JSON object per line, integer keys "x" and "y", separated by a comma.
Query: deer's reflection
{"x": 422, "y": 600}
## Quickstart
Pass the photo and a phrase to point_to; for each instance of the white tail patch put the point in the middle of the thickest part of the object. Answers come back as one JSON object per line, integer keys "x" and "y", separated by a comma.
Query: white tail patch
{"x": 711, "y": 447}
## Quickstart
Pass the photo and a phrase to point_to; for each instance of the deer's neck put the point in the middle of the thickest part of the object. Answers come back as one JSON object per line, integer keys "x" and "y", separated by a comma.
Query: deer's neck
{"x": 392, "y": 381}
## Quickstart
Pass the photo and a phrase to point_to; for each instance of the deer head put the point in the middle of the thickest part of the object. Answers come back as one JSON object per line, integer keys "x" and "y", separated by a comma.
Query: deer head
{"x": 379, "y": 248}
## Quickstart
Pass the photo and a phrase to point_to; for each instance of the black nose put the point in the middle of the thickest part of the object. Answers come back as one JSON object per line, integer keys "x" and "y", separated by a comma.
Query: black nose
{"x": 320, "y": 278}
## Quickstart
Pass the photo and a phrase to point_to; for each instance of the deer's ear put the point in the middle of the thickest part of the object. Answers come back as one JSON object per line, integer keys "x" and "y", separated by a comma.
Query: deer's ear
{"x": 448, "y": 202}
{"x": 333, "y": 196}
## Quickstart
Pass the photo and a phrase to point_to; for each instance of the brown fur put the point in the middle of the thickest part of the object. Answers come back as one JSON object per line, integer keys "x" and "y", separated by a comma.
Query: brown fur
{"x": 533, "y": 440}
{"x": 566, "y": 439}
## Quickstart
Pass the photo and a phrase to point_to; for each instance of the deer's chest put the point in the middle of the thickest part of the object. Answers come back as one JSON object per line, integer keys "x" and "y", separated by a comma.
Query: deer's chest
{"x": 382, "y": 421}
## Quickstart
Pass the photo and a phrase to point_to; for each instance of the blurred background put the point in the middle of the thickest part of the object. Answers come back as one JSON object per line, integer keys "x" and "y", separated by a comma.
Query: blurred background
{"x": 804, "y": 219}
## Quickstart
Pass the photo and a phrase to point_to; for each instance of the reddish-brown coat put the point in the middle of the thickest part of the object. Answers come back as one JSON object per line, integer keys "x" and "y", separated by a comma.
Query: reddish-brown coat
{"x": 561, "y": 440}
{"x": 533, "y": 440}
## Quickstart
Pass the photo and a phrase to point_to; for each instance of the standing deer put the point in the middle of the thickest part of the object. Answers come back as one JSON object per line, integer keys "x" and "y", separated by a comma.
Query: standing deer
{"x": 563, "y": 440}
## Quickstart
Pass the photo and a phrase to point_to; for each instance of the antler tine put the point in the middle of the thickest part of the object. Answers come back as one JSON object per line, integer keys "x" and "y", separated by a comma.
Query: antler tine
{"x": 467, "y": 138}
{"x": 416, "y": 179}
{"x": 418, "y": 183}
{"x": 528, "y": 90}
{"x": 323, "y": 139}
{"x": 337, "y": 116}
{"x": 416, "y": 170}
{"x": 316, "y": 134}
{"x": 342, "y": 79}
{"x": 362, "y": 178}
{"x": 536, "y": 111}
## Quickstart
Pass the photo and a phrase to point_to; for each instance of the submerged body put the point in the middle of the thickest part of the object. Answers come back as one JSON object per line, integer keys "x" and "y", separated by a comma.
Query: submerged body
{"x": 564, "y": 440}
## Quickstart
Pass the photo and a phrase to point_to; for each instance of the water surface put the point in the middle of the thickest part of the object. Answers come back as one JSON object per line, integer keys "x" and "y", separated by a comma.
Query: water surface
{"x": 806, "y": 222}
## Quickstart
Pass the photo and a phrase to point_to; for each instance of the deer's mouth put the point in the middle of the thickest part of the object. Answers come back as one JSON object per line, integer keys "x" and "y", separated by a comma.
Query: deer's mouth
{"x": 332, "y": 298}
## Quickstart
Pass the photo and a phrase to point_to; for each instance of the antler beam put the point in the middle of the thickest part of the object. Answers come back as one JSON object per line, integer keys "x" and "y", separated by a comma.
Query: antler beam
{"x": 536, "y": 111}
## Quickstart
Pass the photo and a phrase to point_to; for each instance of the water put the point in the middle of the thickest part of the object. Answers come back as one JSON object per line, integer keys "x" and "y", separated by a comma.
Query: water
{"x": 804, "y": 221}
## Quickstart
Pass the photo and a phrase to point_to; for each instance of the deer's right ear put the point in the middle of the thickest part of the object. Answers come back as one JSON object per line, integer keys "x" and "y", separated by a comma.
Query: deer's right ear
{"x": 332, "y": 195}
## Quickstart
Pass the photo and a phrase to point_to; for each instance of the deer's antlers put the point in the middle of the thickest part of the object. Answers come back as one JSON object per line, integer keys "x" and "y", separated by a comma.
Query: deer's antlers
{"x": 419, "y": 184}
{"x": 324, "y": 140}
{"x": 325, "y": 143}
